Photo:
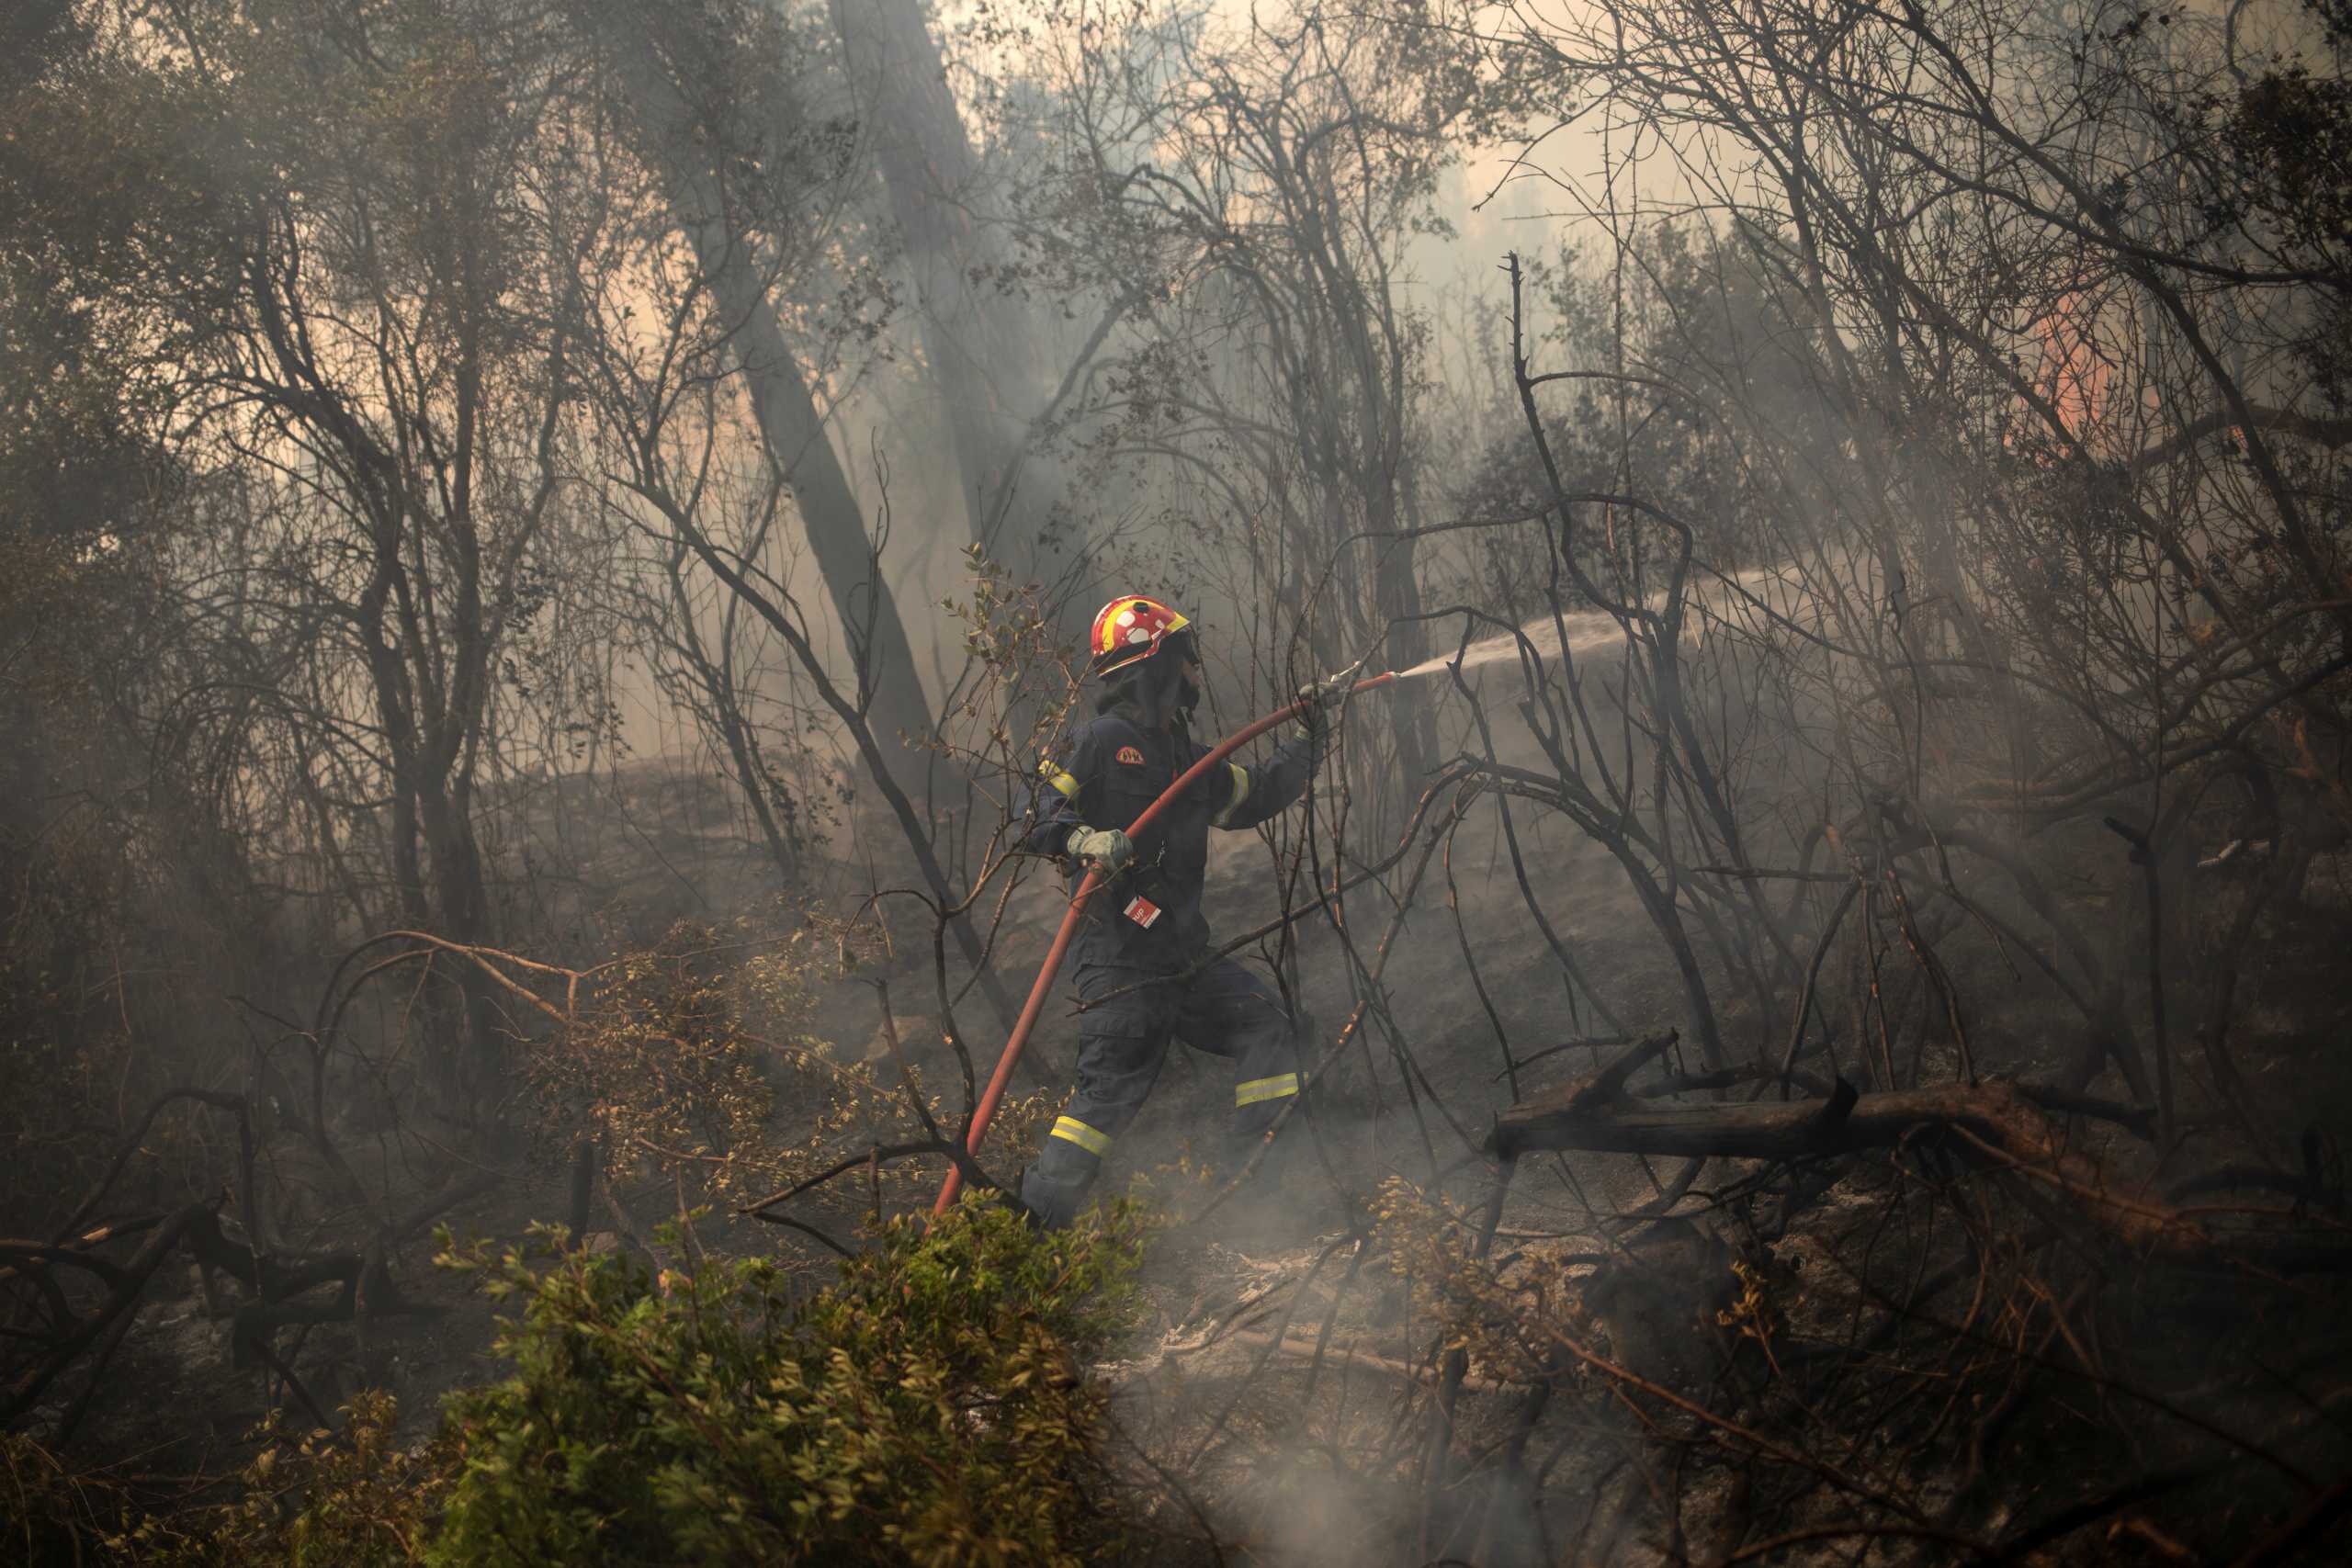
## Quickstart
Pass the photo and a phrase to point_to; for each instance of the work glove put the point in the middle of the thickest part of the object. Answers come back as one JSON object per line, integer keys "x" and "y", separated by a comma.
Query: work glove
{"x": 1107, "y": 849}
{"x": 1321, "y": 705}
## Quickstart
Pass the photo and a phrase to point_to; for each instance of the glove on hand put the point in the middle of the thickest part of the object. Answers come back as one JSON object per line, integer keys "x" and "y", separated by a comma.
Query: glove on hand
{"x": 1105, "y": 849}
{"x": 1319, "y": 714}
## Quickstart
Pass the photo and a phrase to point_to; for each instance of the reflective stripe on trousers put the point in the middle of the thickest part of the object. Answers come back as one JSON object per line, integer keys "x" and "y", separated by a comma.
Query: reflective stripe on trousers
{"x": 1280, "y": 1087}
{"x": 1092, "y": 1140}
{"x": 1224, "y": 1010}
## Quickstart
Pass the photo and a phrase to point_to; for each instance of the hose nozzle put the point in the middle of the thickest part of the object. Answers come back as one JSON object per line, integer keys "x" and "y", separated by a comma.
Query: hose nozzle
{"x": 1319, "y": 702}
{"x": 1326, "y": 692}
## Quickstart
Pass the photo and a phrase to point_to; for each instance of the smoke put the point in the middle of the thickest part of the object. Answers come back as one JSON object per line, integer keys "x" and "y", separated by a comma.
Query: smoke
{"x": 1759, "y": 594}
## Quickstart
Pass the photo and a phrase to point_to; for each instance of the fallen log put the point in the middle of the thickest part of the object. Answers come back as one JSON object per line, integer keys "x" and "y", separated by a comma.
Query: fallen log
{"x": 1993, "y": 1122}
{"x": 1598, "y": 1088}
{"x": 271, "y": 1281}
{"x": 1762, "y": 1129}
{"x": 28, "y": 1390}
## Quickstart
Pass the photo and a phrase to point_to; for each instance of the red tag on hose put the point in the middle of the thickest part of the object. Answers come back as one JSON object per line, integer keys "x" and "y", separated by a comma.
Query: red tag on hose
{"x": 1142, "y": 911}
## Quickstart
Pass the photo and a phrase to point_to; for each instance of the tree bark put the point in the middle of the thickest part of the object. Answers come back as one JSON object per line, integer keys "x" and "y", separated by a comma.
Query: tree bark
{"x": 1997, "y": 1122}
{"x": 982, "y": 342}
{"x": 790, "y": 426}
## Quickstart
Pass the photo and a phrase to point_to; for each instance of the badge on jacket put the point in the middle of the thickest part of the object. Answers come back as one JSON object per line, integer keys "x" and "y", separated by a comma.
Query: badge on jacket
{"x": 1130, "y": 756}
{"x": 1142, "y": 911}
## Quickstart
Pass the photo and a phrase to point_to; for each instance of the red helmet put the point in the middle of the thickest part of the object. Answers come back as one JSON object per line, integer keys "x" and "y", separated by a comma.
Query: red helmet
{"x": 1130, "y": 630}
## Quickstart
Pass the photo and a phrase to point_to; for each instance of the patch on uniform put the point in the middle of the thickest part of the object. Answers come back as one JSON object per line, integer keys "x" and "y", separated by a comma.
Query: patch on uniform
{"x": 1130, "y": 756}
{"x": 1142, "y": 911}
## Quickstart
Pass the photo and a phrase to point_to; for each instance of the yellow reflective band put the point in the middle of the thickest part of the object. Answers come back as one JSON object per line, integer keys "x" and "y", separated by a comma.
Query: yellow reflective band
{"x": 1058, "y": 779}
{"x": 1256, "y": 1090}
{"x": 1085, "y": 1137}
{"x": 1240, "y": 792}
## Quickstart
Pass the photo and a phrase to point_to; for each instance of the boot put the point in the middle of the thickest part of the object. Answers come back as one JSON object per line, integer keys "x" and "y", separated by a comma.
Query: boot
{"x": 1048, "y": 1204}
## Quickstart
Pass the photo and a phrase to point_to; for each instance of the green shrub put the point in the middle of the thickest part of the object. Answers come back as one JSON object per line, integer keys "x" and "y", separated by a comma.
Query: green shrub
{"x": 928, "y": 1408}
{"x": 47, "y": 1514}
{"x": 357, "y": 1501}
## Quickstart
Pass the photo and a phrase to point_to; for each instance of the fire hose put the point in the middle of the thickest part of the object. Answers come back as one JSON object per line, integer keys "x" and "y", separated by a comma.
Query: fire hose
{"x": 986, "y": 1111}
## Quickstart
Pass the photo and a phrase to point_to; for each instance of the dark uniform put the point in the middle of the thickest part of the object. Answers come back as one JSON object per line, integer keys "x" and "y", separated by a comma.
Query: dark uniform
{"x": 1144, "y": 928}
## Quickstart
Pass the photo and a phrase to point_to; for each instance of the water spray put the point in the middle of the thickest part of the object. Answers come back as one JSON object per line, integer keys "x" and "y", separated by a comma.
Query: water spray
{"x": 985, "y": 1111}
{"x": 1577, "y": 634}
{"x": 1580, "y": 631}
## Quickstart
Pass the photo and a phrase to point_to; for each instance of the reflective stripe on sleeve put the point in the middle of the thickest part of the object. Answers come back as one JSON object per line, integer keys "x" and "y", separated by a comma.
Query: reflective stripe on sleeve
{"x": 1055, "y": 775}
{"x": 1085, "y": 1137}
{"x": 1240, "y": 792}
{"x": 1256, "y": 1090}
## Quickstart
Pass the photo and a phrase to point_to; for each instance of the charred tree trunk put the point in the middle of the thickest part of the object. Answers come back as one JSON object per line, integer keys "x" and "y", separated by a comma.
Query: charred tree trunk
{"x": 886, "y": 698}
{"x": 982, "y": 340}
{"x": 791, "y": 428}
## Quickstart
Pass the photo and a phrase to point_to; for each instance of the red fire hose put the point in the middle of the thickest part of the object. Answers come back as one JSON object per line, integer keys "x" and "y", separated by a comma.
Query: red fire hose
{"x": 986, "y": 1111}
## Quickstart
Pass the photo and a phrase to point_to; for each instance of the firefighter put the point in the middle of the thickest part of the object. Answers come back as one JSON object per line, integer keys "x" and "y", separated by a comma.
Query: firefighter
{"x": 1142, "y": 936}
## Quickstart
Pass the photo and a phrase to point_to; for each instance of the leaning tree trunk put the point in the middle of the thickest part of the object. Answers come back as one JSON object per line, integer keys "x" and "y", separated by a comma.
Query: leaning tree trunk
{"x": 795, "y": 439}
{"x": 983, "y": 344}
{"x": 790, "y": 426}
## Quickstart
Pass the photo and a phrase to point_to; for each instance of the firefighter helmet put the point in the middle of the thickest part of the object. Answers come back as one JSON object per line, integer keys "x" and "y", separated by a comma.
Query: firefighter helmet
{"x": 1129, "y": 631}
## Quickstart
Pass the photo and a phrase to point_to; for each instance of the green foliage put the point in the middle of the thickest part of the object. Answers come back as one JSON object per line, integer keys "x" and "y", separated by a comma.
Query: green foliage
{"x": 357, "y": 1499}
{"x": 928, "y": 1408}
{"x": 47, "y": 1514}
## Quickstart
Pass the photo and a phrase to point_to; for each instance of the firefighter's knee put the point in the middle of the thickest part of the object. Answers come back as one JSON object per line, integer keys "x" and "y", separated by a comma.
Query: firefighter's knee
{"x": 1119, "y": 1059}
